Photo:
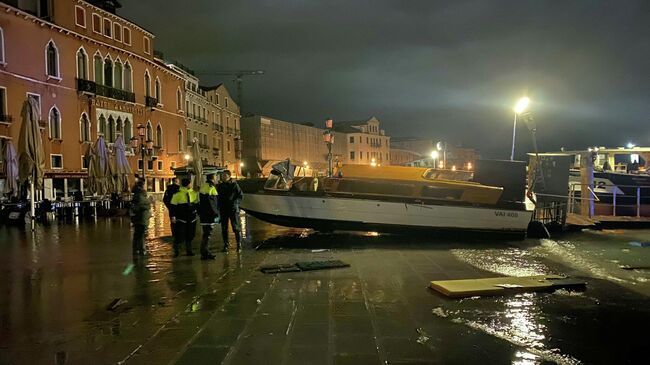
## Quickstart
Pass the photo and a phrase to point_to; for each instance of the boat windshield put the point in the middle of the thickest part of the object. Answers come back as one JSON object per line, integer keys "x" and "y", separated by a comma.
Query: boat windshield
{"x": 276, "y": 182}
{"x": 437, "y": 174}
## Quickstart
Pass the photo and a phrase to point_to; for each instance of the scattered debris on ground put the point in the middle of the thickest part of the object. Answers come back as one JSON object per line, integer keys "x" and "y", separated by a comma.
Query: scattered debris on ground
{"x": 505, "y": 285}
{"x": 303, "y": 266}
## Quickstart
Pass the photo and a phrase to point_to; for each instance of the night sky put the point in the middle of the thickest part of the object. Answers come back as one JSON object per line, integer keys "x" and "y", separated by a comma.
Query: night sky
{"x": 449, "y": 70}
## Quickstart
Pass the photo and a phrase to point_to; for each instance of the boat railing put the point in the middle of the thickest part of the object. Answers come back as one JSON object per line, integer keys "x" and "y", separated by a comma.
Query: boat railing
{"x": 619, "y": 201}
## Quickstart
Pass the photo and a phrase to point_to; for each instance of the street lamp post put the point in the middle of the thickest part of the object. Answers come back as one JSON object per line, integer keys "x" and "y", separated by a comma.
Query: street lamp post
{"x": 146, "y": 147}
{"x": 520, "y": 107}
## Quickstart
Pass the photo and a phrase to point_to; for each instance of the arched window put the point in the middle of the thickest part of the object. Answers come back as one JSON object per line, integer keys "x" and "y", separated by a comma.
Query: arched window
{"x": 108, "y": 71}
{"x": 128, "y": 77}
{"x": 52, "y": 59}
{"x": 159, "y": 136}
{"x": 149, "y": 132}
{"x": 111, "y": 130}
{"x": 117, "y": 75}
{"x": 157, "y": 91}
{"x": 102, "y": 125}
{"x": 179, "y": 99}
{"x": 147, "y": 84}
{"x": 119, "y": 128}
{"x": 99, "y": 68}
{"x": 128, "y": 130}
{"x": 55, "y": 123}
{"x": 180, "y": 140}
{"x": 82, "y": 64}
{"x": 84, "y": 126}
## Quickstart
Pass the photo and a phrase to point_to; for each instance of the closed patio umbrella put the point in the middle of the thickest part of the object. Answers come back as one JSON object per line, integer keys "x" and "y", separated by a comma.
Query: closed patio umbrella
{"x": 31, "y": 161}
{"x": 11, "y": 168}
{"x": 197, "y": 165}
{"x": 122, "y": 169}
{"x": 99, "y": 171}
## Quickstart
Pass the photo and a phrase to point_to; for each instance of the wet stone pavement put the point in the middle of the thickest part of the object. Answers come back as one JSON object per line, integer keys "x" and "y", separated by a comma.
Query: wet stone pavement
{"x": 56, "y": 284}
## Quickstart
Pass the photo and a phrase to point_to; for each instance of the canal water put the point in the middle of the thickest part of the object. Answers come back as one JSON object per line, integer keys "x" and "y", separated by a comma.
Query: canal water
{"x": 56, "y": 284}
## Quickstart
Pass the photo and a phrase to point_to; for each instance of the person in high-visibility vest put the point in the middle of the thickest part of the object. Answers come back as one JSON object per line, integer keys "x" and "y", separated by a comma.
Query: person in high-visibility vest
{"x": 208, "y": 214}
{"x": 183, "y": 212}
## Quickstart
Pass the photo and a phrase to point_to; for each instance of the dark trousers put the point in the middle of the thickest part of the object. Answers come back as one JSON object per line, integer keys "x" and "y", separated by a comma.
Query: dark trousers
{"x": 184, "y": 234}
{"x": 233, "y": 217}
{"x": 138, "y": 238}
{"x": 207, "y": 232}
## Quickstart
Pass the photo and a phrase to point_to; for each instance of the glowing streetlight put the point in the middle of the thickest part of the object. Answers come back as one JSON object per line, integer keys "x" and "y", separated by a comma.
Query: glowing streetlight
{"x": 373, "y": 162}
{"x": 453, "y": 168}
{"x": 241, "y": 164}
{"x": 520, "y": 107}
{"x": 435, "y": 154}
{"x": 186, "y": 157}
{"x": 631, "y": 145}
{"x": 469, "y": 165}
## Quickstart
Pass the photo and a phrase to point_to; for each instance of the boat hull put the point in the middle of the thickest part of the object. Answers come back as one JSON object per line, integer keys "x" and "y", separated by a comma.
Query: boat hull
{"x": 334, "y": 213}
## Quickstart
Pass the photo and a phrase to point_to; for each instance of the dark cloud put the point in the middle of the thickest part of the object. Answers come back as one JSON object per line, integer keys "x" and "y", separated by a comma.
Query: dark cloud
{"x": 445, "y": 69}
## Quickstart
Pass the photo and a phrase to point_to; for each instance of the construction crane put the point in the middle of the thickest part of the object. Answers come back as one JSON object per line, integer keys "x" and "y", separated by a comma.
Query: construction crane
{"x": 239, "y": 80}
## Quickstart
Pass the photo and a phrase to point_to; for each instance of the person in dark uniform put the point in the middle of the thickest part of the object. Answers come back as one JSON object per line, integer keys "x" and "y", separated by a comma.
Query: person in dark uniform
{"x": 230, "y": 196}
{"x": 140, "y": 214}
{"x": 171, "y": 189}
{"x": 208, "y": 214}
{"x": 183, "y": 211}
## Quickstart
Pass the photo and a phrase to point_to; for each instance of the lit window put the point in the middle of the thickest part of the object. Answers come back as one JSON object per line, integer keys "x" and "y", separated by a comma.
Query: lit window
{"x": 52, "y": 57}
{"x": 97, "y": 23}
{"x": 80, "y": 16}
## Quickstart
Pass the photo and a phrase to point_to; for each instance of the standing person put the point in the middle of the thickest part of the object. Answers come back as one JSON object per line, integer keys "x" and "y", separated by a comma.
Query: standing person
{"x": 183, "y": 213}
{"x": 230, "y": 196}
{"x": 140, "y": 213}
{"x": 171, "y": 189}
{"x": 208, "y": 214}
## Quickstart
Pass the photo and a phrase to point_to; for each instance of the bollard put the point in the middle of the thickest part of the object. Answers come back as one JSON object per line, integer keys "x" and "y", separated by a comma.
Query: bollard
{"x": 638, "y": 202}
{"x": 614, "y": 201}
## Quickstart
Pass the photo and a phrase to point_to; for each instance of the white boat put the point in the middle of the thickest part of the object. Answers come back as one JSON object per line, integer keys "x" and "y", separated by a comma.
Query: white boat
{"x": 383, "y": 199}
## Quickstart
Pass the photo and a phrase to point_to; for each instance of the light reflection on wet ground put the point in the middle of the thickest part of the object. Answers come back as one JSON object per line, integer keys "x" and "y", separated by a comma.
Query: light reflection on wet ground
{"x": 55, "y": 285}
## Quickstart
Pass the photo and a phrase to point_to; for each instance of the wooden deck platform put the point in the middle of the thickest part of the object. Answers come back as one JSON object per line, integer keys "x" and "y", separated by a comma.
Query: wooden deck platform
{"x": 607, "y": 221}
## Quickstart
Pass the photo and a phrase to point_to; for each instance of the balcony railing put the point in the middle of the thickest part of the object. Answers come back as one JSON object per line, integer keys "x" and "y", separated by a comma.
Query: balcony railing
{"x": 103, "y": 90}
{"x": 230, "y": 130}
{"x": 217, "y": 127}
{"x": 150, "y": 101}
{"x": 203, "y": 145}
{"x": 6, "y": 118}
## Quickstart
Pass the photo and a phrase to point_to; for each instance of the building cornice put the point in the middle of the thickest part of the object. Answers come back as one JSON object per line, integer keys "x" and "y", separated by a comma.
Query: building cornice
{"x": 60, "y": 29}
{"x": 115, "y": 16}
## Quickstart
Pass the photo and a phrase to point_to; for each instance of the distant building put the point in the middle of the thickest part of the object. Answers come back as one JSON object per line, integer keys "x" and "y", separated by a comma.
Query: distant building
{"x": 365, "y": 141}
{"x": 267, "y": 141}
{"x": 453, "y": 155}
{"x": 402, "y": 157}
{"x": 422, "y": 146}
{"x": 212, "y": 119}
